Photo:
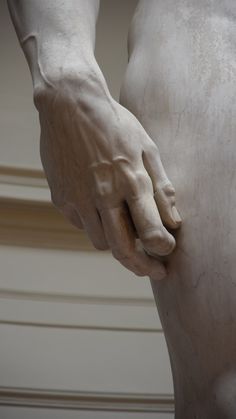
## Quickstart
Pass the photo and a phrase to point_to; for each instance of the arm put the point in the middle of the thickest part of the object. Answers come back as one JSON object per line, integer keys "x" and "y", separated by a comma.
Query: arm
{"x": 57, "y": 37}
{"x": 103, "y": 170}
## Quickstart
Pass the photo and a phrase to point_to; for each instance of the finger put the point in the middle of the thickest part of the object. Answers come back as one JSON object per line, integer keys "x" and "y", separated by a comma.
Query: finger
{"x": 153, "y": 235}
{"x": 144, "y": 212}
{"x": 93, "y": 226}
{"x": 164, "y": 193}
{"x": 125, "y": 248}
{"x": 70, "y": 212}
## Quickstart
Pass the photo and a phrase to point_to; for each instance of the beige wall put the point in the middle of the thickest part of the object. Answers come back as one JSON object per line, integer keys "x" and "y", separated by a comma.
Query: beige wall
{"x": 76, "y": 329}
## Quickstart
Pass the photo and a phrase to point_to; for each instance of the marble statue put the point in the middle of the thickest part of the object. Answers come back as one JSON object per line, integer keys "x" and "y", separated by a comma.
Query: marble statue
{"x": 106, "y": 165}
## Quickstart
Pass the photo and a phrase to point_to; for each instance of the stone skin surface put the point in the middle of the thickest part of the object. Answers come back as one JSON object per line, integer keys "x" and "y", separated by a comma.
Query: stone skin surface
{"x": 104, "y": 171}
{"x": 102, "y": 161}
{"x": 181, "y": 85}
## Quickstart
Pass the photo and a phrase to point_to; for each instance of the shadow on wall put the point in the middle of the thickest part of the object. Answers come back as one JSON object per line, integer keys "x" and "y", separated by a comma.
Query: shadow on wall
{"x": 112, "y": 31}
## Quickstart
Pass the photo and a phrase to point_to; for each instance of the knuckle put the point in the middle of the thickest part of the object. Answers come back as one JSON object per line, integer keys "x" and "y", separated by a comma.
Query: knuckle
{"x": 166, "y": 192}
{"x": 167, "y": 246}
{"x": 138, "y": 181}
{"x": 102, "y": 179}
{"x": 158, "y": 239}
{"x": 132, "y": 184}
{"x": 168, "y": 189}
{"x": 142, "y": 178}
{"x": 102, "y": 190}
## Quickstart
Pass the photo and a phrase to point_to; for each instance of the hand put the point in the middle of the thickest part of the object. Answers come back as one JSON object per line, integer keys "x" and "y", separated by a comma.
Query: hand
{"x": 105, "y": 174}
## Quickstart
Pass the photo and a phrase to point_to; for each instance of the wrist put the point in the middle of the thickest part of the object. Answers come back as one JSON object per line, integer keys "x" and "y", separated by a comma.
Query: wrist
{"x": 83, "y": 83}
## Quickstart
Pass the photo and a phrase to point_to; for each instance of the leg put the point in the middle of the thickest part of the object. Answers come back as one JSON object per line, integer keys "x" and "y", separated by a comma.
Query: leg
{"x": 180, "y": 83}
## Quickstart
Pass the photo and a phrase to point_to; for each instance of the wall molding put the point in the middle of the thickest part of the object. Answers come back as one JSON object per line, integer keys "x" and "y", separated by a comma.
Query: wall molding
{"x": 22, "y": 176}
{"x": 48, "y": 325}
{"x": 27, "y": 216}
{"x": 56, "y": 297}
{"x": 38, "y": 224}
{"x": 79, "y": 312}
{"x": 81, "y": 400}
{"x": 25, "y": 220}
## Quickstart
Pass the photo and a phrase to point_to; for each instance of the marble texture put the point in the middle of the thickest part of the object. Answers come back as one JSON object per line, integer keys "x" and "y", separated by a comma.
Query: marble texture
{"x": 102, "y": 167}
{"x": 106, "y": 165}
{"x": 180, "y": 84}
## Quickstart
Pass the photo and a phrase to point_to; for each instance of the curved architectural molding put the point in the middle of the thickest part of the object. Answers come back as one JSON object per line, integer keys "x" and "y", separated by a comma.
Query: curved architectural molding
{"x": 80, "y": 327}
{"x": 38, "y": 224}
{"x": 85, "y": 312}
{"x": 13, "y": 294}
{"x": 27, "y": 217}
{"x": 22, "y": 176}
{"x": 104, "y": 401}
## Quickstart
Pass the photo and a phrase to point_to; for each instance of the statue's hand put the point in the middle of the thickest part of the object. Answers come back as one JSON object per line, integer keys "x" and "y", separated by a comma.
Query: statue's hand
{"x": 105, "y": 174}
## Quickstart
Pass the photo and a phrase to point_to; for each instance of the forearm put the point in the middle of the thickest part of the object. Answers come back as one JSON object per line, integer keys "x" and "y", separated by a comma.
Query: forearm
{"x": 57, "y": 37}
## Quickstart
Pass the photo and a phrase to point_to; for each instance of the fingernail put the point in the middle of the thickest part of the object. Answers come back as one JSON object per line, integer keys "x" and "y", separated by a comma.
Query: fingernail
{"x": 176, "y": 215}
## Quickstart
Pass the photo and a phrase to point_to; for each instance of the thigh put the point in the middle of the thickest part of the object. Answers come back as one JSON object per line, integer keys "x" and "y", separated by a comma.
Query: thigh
{"x": 182, "y": 88}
